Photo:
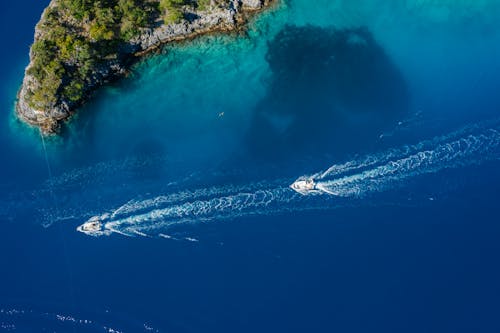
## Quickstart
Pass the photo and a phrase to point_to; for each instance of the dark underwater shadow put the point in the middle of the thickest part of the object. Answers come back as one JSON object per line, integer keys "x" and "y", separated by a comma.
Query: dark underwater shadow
{"x": 331, "y": 92}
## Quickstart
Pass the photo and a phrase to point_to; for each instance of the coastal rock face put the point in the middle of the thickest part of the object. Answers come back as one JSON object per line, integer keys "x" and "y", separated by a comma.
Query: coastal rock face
{"x": 223, "y": 19}
{"x": 252, "y": 3}
{"x": 55, "y": 85}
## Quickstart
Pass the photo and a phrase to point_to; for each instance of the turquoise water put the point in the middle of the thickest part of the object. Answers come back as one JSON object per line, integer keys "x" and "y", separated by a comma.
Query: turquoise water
{"x": 190, "y": 110}
{"x": 185, "y": 89}
{"x": 391, "y": 107}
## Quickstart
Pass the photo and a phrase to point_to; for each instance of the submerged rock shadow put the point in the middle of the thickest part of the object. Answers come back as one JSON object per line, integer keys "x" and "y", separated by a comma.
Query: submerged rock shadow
{"x": 331, "y": 91}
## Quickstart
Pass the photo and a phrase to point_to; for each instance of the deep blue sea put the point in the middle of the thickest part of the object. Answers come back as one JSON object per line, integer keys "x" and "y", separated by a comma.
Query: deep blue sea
{"x": 391, "y": 108}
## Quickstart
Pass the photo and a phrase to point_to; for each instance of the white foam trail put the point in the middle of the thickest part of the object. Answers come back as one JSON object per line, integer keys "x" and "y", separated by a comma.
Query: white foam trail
{"x": 365, "y": 162}
{"x": 202, "y": 210}
{"x": 18, "y": 319}
{"x": 470, "y": 150}
{"x": 167, "y": 236}
{"x": 137, "y": 206}
{"x": 375, "y": 173}
{"x": 192, "y": 240}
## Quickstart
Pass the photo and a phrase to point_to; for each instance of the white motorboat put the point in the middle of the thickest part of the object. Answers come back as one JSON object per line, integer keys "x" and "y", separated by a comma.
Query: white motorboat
{"x": 304, "y": 186}
{"x": 94, "y": 226}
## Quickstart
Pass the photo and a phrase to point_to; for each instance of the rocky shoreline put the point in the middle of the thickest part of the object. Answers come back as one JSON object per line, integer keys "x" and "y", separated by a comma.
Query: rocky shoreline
{"x": 221, "y": 19}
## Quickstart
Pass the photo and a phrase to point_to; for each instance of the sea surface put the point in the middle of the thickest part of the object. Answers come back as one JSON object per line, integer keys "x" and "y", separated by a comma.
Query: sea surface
{"x": 390, "y": 107}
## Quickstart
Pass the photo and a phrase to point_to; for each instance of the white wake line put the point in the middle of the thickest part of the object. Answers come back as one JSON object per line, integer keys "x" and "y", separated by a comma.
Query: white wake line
{"x": 399, "y": 153}
{"x": 465, "y": 151}
{"x": 204, "y": 209}
{"x": 158, "y": 225}
{"x": 151, "y": 217}
{"x": 136, "y": 206}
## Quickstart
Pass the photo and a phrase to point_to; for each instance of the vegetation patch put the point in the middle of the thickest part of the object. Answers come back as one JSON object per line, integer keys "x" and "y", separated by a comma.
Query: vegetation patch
{"x": 76, "y": 37}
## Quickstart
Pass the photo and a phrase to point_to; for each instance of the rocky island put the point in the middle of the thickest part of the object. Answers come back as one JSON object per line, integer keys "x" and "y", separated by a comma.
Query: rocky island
{"x": 80, "y": 45}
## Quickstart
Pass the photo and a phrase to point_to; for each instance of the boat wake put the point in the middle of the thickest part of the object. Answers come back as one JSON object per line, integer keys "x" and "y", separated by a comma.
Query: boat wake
{"x": 379, "y": 175}
{"x": 32, "y": 319}
{"x": 143, "y": 218}
{"x": 335, "y": 187}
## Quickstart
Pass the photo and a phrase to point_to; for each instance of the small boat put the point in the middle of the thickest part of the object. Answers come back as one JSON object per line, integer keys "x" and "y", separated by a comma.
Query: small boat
{"x": 304, "y": 186}
{"x": 94, "y": 226}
